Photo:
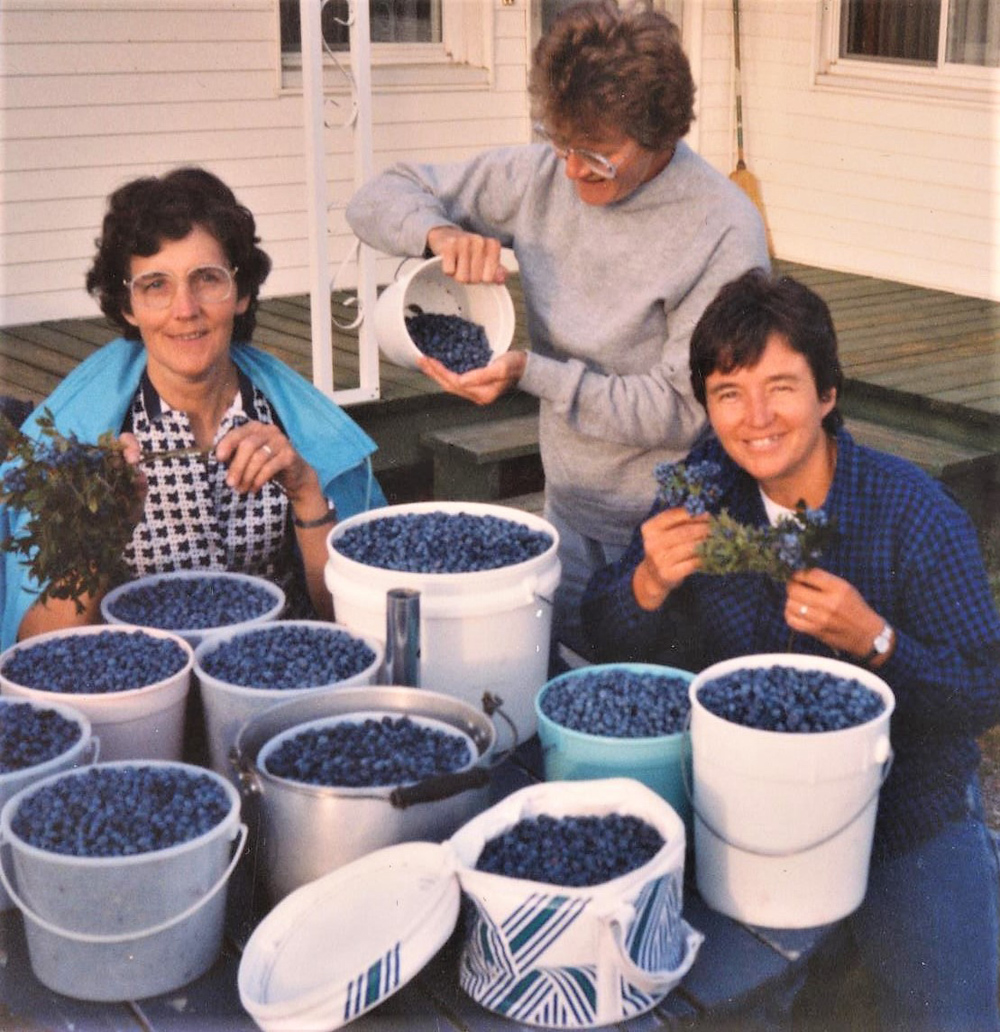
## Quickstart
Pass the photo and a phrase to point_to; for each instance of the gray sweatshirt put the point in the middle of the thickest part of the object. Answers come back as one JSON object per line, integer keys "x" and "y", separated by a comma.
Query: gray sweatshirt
{"x": 611, "y": 295}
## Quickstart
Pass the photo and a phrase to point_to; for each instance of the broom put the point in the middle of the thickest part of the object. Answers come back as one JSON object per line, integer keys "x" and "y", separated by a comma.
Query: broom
{"x": 741, "y": 175}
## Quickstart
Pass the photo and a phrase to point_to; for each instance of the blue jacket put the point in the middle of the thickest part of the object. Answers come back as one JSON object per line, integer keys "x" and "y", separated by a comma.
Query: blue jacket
{"x": 95, "y": 398}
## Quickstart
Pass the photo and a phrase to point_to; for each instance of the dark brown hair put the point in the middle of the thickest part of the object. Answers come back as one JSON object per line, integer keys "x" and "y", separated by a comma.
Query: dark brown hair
{"x": 602, "y": 67}
{"x": 145, "y": 212}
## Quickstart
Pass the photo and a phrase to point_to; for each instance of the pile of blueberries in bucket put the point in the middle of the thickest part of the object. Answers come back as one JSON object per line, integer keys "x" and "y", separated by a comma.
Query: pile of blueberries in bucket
{"x": 287, "y": 656}
{"x": 617, "y": 702}
{"x": 576, "y": 851}
{"x": 456, "y": 343}
{"x": 192, "y": 603}
{"x": 441, "y": 542}
{"x": 784, "y": 698}
{"x": 368, "y": 752}
{"x": 111, "y": 810}
{"x": 30, "y": 735}
{"x": 105, "y": 661}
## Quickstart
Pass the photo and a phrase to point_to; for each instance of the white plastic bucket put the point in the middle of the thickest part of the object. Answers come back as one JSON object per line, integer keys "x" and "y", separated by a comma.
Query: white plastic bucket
{"x": 426, "y": 286}
{"x": 784, "y": 821}
{"x": 145, "y": 723}
{"x": 480, "y": 632}
{"x": 122, "y": 928}
{"x": 82, "y": 751}
{"x": 227, "y": 707}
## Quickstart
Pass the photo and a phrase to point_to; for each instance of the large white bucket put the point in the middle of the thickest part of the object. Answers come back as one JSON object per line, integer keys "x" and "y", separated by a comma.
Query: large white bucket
{"x": 227, "y": 707}
{"x": 480, "y": 632}
{"x": 142, "y": 723}
{"x": 784, "y": 821}
{"x": 123, "y": 927}
{"x": 427, "y": 287}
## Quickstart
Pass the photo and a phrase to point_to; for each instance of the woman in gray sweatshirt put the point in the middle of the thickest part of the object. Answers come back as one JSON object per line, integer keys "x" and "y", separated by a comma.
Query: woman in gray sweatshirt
{"x": 622, "y": 236}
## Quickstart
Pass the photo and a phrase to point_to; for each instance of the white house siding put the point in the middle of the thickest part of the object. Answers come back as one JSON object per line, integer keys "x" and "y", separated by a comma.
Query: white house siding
{"x": 96, "y": 92}
{"x": 882, "y": 183}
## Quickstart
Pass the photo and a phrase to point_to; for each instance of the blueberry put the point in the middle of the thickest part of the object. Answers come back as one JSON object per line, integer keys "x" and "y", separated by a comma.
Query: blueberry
{"x": 30, "y": 735}
{"x": 571, "y": 851}
{"x": 440, "y": 542}
{"x": 457, "y": 343}
{"x": 105, "y": 661}
{"x": 111, "y": 811}
{"x": 288, "y": 656}
{"x": 618, "y": 703}
{"x": 192, "y": 603}
{"x": 784, "y": 698}
{"x": 368, "y": 752}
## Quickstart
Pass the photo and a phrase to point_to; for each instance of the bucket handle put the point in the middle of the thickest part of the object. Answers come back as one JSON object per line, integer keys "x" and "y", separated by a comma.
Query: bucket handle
{"x": 655, "y": 983}
{"x": 778, "y": 853}
{"x": 125, "y": 936}
{"x": 440, "y": 786}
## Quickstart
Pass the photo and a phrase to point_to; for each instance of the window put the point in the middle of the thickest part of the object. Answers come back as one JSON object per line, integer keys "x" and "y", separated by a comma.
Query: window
{"x": 392, "y": 21}
{"x": 929, "y": 33}
{"x": 414, "y": 43}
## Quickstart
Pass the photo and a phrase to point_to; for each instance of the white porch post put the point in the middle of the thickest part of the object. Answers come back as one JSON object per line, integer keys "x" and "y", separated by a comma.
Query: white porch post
{"x": 318, "y": 206}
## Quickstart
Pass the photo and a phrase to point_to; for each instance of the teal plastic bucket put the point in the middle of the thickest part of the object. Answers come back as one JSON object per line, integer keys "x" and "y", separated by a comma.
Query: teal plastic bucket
{"x": 662, "y": 763}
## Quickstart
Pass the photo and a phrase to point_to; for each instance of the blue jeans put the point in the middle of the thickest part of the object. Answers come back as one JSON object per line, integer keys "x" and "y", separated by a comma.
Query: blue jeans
{"x": 580, "y": 558}
{"x": 927, "y": 936}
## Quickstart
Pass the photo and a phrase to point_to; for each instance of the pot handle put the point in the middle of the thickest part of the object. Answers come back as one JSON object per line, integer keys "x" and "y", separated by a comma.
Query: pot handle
{"x": 142, "y": 933}
{"x": 441, "y": 786}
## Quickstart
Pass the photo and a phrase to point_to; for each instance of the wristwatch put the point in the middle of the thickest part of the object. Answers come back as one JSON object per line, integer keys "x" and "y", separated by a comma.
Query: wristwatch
{"x": 881, "y": 644}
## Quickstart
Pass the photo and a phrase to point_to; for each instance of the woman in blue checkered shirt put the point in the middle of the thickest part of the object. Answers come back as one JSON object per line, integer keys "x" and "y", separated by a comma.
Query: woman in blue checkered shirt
{"x": 901, "y": 589}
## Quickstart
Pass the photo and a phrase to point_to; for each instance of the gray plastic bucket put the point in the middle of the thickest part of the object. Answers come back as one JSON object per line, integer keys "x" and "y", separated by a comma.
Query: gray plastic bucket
{"x": 122, "y": 928}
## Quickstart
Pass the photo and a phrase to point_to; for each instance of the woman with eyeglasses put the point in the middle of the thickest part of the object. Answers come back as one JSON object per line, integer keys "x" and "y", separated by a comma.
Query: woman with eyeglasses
{"x": 622, "y": 236}
{"x": 178, "y": 270}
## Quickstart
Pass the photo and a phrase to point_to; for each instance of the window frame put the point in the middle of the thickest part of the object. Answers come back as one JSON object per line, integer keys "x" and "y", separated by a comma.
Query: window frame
{"x": 463, "y": 59}
{"x": 972, "y": 84}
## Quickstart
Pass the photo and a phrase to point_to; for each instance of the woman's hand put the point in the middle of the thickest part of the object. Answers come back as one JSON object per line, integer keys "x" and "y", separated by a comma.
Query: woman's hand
{"x": 831, "y": 609}
{"x": 481, "y": 386}
{"x": 467, "y": 257}
{"x": 670, "y": 540}
{"x": 258, "y": 452}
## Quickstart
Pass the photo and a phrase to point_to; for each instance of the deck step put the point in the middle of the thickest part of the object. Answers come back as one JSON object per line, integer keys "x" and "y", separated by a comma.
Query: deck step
{"x": 468, "y": 458}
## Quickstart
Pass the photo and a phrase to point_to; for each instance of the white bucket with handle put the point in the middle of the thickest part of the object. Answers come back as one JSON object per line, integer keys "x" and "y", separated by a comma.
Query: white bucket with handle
{"x": 784, "y": 820}
{"x": 423, "y": 287}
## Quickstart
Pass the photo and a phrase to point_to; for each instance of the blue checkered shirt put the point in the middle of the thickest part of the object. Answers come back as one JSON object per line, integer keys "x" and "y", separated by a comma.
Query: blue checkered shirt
{"x": 912, "y": 553}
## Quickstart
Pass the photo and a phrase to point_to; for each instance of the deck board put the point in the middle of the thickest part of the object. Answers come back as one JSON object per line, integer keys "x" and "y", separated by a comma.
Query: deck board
{"x": 917, "y": 343}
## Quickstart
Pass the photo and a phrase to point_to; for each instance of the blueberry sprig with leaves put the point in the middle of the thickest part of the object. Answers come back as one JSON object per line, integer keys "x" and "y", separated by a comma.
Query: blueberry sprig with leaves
{"x": 794, "y": 543}
{"x": 81, "y": 502}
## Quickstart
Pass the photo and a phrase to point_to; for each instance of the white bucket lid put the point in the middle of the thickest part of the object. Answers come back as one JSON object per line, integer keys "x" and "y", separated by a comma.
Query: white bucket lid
{"x": 401, "y": 903}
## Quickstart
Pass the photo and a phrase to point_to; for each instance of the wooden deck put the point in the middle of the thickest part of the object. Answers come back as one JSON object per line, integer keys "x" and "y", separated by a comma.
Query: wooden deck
{"x": 919, "y": 363}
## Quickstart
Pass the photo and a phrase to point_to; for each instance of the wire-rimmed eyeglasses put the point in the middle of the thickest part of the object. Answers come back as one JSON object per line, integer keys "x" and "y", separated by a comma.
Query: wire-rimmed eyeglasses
{"x": 207, "y": 284}
{"x": 596, "y": 163}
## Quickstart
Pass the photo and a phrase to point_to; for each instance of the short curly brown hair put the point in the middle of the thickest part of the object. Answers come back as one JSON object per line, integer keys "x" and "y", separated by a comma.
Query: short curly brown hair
{"x": 145, "y": 212}
{"x": 600, "y": 66}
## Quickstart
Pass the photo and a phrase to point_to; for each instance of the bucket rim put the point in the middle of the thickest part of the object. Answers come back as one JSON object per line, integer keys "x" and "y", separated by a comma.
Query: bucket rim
{"x": 94, "y": 698}
{"x": 589, "y": 737}
{"x": 228, "y": 824}
{"x": 121, "y": 590}
{"x": 215, "y": 641}
{"x": 45, "y": 767}
{"x": 528, "y": 519}
{"x": 255, "y": 733}
{"x": 799, "y": 661}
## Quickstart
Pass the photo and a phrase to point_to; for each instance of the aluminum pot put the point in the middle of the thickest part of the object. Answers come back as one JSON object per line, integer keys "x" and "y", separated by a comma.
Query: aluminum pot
{"x": 301, "y": 832}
